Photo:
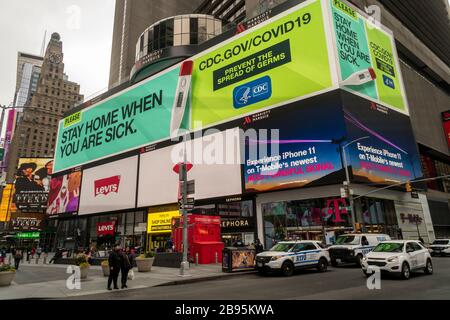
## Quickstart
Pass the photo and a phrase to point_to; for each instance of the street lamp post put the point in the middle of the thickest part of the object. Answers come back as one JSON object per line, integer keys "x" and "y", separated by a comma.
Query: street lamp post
{"x": 347, "y": 176}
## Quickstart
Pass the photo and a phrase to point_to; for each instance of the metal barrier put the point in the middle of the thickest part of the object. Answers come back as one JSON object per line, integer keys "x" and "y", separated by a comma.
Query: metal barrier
{"x": 196, "y": 259}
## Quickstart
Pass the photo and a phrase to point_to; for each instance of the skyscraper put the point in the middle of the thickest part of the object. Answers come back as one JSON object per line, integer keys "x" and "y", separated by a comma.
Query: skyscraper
{"x": 27, "y": 65}
{"x": 131, "y": 18}
{"x": 36, "y": 130}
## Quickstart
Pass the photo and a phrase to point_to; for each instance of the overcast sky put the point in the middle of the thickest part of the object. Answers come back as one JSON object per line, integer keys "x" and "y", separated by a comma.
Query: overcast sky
{"x": 85, "y": 27}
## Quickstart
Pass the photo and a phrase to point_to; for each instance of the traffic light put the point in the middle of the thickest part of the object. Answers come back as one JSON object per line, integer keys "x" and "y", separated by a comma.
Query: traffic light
{"x": 408, "y": 187}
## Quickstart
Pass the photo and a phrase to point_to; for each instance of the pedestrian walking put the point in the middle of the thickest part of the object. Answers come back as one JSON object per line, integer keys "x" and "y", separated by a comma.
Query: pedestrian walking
{"x": 17, "y": 257}
{"x": 57, "y": 255}
{"x": 125, "y": 267}
{"x": 39, "y": 252}
{"x": 114, "y": 267}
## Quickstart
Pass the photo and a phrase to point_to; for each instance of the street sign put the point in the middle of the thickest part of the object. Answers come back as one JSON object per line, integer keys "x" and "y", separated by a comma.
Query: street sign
{"x": 191, "y": 201}
{"x": 176, "y": 168}
{"x": 414, "y": 195}
{"x": 140, "y": 229}
{"x": 187, "y": 207}
{"x": 190, "y": 187}
{"x": 343, "y": 193}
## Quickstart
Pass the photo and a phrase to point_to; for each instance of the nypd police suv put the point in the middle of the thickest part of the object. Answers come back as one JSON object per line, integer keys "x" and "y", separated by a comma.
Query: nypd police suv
{"x": 286, "y": 256}
{"x": 353, "y": 247}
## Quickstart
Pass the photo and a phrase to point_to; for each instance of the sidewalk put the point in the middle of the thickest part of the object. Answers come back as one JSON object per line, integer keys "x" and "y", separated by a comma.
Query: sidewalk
{"x": 96, "y": 282}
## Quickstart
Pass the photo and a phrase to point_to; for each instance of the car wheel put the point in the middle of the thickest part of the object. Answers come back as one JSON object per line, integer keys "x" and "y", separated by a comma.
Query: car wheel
{"x": 334, "y": 263}
{"x": 406, "y": 271}
{"x": 287, "y": 269}
{"x": 429, "y": 267}
{"x": 322, "y": 265}
{"x": 359, "y": 258}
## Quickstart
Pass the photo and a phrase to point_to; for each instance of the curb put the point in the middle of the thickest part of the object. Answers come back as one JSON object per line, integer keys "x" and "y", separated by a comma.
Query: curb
{"x": 208, "y": 278}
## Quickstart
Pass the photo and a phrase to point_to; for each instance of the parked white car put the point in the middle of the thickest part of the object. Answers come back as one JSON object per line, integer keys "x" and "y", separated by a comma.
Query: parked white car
{"x": 286, "y": 256}
{"x": 353, "y": 247}
{"x": 440, "y": 247}
{"x": 399, "y": 256}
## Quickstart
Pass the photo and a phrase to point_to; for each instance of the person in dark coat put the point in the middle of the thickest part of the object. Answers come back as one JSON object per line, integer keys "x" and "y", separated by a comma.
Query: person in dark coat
{"x": 125, "y": 267}
{"x": 258, "y": 246}
{"x": 17, "y": 257}
{"x": 114, "y": 267}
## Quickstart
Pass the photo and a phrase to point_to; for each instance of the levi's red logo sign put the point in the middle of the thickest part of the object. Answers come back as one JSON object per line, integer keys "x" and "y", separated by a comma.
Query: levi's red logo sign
{"x": 105, "y": 228}
{"x": 107, "y": 185}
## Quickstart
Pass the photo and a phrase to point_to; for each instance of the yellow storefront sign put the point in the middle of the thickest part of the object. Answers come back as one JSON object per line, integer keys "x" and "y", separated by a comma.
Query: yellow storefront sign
{"x": 161, "y": 222}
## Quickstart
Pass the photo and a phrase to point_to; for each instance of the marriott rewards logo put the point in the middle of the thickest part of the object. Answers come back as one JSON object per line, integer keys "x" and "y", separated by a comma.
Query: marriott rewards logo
{"x": 106, "y": 185}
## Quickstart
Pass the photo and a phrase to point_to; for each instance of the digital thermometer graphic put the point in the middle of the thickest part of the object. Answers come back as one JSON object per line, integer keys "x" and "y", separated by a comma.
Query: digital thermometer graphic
{"x": 181, "y": 96}
{"x": 360, "y": 77}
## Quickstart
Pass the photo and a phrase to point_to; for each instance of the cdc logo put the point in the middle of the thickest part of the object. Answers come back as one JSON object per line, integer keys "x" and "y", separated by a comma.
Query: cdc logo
{"x": 252, "y": 92}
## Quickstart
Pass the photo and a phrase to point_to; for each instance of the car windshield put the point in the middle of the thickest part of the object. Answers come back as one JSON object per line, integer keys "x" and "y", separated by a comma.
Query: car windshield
{"x": 347, "y": 240}
{"x": 389, "y": 247}
{"x": 283, "y": 247}
{"x": 440, "y": 242}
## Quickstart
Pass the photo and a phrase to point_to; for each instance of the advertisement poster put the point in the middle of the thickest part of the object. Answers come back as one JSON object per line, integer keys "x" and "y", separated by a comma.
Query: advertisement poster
{"x": 7, "y": 207}
{"x": 64, "y": 194}
{"x": 279, "y": 60}
{"x": 215, "y": 157}
{"x": 161, "y": 222}
{"x": 32, "y": 183}
{"x": 243, "y": 259}
{"x": 109, "y": 187}
{"x": 138, "y": 116}
{"x": 21, "y": 221}
{"x": 307, "y": 146}
{"x": 106, "y": 228}
{"x": 361, "y": 45}
{"x": 387, "y": 152}
{"x": 446, "y": 125}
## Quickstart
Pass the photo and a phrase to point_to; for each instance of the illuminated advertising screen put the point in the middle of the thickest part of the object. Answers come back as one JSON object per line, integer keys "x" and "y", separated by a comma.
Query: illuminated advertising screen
{"x": 21, "y": 221}
{"x": 360, "y": 45}
{"x": 64, "y": 194}
{"x": 386, "y": 151}
{"x": 296, "y": 146}
{"x": 7, "y": 206}
{"x": 216, "y": 169}
{"x": 137, "y": 116}
{"x": 283, "y": 58}
{"x": 109, "y": 187}
{"x": 161, "y": 222}
{"x": 32, "y": 184}
{"x": 446, "y": 125}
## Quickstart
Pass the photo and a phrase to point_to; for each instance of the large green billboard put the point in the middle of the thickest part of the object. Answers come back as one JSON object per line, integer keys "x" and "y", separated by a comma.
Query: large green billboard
{"x": 133, "y": 118}
{"x": 361, "y": 44}
{"x": 284, "y": 59}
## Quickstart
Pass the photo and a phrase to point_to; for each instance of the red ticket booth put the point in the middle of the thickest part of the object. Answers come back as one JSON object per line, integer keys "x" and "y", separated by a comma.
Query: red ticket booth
{"x": 203, "y": 236}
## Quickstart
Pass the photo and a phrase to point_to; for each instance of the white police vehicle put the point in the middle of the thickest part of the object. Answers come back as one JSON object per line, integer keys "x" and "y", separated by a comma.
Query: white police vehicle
{"x": 286, "y": 256}
{"x": 398, "y": 256}
{"x": 353, "y": 247}
{"x": 440, "y": 247}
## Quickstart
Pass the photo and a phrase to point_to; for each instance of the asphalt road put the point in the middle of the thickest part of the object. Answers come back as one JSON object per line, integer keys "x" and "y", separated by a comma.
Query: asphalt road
{"x": 345, "y": 282}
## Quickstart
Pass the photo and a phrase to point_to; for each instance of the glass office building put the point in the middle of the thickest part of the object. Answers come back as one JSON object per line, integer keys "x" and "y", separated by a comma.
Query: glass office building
{"x": 180, "y": 30}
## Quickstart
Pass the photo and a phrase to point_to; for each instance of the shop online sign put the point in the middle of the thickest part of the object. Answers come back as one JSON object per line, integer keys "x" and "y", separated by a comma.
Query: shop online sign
{"x": 294, "y": 55}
